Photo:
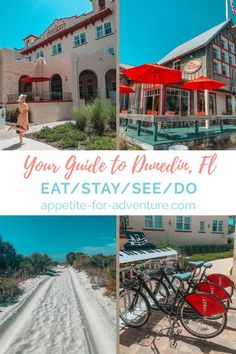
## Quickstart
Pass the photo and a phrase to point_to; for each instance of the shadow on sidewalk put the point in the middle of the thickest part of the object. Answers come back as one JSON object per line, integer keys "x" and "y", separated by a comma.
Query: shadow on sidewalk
{"x": 13, "y": 147}
{"x": 152, "y": 336}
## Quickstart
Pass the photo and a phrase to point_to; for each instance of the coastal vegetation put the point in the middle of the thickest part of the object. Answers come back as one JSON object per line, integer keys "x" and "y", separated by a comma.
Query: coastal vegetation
{"x": 14, "y": 267}
{"x": 100, "y": 269}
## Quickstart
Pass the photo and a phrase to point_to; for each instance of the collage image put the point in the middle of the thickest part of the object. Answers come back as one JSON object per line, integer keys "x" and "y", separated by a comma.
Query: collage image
{"x": 118, "y": 75}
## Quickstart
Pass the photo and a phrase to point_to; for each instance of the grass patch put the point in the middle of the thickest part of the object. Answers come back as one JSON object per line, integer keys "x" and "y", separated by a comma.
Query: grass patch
{"x": 100, "y": 143}
{"x": 208, "y": 257}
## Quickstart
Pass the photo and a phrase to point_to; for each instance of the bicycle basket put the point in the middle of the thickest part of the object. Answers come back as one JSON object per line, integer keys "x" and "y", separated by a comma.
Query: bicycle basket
{"x": 213, "y": 289}
{"x": 221, "y": 280}
{"x": 205, "y": 304}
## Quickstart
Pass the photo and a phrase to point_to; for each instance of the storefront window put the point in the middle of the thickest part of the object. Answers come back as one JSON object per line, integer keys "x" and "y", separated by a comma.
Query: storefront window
{"x": 228, "y": 105}
{"x": 201, "y": 103}
{"x": 177, "y": 101}
{"x": 149, "y": 96}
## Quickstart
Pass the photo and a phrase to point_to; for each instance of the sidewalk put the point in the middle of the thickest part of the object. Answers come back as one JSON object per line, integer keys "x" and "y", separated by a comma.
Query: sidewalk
{"x": 29, "y": 144}
{"x": 9, "y": 140}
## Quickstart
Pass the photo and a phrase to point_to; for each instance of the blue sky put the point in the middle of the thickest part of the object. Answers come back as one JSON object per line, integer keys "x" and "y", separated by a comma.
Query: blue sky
{"x": 150, "y": 29}
{"x": 58, "y": 235}
{"x": 22, "y": 17}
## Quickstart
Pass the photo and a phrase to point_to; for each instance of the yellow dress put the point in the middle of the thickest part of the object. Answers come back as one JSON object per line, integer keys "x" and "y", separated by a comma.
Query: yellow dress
{"x": 23, "y": 121}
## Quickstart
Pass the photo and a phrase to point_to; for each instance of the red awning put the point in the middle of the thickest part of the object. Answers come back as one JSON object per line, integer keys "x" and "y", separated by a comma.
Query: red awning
{"x": 203, "y": 83}
{"x": 125, "y": 89}
{"x": 153, "y": 74}
{"x": 35, "y": 79}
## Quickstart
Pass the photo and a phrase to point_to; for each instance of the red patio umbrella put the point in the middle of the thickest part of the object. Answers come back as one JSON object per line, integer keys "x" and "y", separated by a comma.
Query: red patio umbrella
{"x": 35, "y": 79}
{"x": 125, "y": 89}
{"x": 153, "y": 74}
{"x": 203, "y": 83}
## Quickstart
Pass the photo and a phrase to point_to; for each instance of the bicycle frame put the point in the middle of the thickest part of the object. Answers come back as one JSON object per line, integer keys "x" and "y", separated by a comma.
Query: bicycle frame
{"x": 162, "y": 307}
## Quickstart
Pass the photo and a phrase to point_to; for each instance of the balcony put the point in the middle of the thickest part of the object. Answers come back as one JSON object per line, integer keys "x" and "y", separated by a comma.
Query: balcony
{"x": 44, "y": 96}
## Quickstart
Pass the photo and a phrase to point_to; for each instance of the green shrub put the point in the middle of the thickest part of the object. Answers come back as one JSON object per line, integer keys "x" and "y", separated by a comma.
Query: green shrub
{"x": 208, "y": 257}
{"x": 8, "y": 290}
{"x": 98, "y": 115}
{"x": 111, "y": 116}
{"x": 68, "y": 143}
{"x": 204, "y": 249}
{"x": 101, "y": 143}
{"x": 81, "y": 117}
{"x": 76, "y": 135}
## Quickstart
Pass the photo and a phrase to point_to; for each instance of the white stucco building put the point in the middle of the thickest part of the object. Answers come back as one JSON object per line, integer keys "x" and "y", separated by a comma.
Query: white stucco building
{"x": 75, "y": 54}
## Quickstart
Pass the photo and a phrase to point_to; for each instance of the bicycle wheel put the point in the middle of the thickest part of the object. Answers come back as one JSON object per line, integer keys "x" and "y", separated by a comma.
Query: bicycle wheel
{"x": 160, "y": 291}
{"x": 134, "y": 308}
{"x": 198, "y": 326}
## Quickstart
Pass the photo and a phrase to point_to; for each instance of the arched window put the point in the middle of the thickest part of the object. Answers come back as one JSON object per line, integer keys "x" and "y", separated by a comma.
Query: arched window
{"x": 56, "y": 87}
{"x": 110, "y": 79}
{"x": 88, "y": 85}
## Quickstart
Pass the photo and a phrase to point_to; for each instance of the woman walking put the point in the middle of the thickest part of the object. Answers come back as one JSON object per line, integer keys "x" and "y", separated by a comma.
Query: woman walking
{"x": 22, "y": 124}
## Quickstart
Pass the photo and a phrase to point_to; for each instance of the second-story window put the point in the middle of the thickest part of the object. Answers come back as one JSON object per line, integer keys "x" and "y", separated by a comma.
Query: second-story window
{"x": 177, "y": 64}
{"x": 80, "y": 39}
{"x": 224, "y": 43}
{"x": 111, "y": 50}
{"x": 231, "y": 47}
{"x": 39, "y": 54}
{"x": 56, "y": 49}
{"x": 104, "y": 29}
{"x": 216, "y": 52}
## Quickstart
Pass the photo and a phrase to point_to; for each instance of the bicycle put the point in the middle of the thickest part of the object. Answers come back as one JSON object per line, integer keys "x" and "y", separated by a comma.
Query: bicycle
{"x": 201, "y": 314}
{"x": 164, "y": 287}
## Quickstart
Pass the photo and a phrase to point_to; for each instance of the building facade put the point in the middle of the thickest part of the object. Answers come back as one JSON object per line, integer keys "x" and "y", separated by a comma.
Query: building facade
{"x": 211, "y": 54}
{"x": 178, "y": 230}
{"x": 76, "y": 58}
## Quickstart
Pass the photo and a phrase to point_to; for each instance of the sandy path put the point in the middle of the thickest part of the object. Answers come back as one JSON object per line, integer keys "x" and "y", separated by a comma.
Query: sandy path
{"x": 53, "y": 321}
{"x": 100, "y": 313}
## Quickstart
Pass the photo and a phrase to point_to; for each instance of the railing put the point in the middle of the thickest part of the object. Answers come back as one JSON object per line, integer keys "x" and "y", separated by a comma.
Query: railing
{"x": 164, "y": 123}
{"x": 42, "y": 96}
{"x": 150, "y": 265}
